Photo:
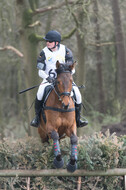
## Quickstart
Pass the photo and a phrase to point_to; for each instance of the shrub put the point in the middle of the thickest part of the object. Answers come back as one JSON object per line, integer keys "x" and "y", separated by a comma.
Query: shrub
{"x": 97, "y": 152}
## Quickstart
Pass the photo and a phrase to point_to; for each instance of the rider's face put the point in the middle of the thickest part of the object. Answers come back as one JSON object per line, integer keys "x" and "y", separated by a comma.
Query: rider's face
{"x": 50, "y": 45}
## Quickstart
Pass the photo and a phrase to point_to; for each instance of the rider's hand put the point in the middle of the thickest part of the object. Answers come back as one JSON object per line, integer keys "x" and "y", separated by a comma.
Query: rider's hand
{"x": 50, "y": 79}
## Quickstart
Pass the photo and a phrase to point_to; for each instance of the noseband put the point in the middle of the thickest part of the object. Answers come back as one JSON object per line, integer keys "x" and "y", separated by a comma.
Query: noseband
{"x": 64, "y": 94}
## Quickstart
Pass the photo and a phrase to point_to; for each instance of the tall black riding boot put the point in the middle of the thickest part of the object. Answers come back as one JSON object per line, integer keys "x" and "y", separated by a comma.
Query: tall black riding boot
{"x": 79, "y": 122}
{"x": 38, "y": 106}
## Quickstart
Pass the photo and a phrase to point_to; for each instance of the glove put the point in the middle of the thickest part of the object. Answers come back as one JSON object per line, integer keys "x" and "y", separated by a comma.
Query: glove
{"x": 50, "y": 79}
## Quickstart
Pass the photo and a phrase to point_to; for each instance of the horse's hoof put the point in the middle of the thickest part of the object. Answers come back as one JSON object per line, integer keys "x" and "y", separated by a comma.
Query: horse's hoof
{"x": 58, "y": 162}
{"x": 71, "y": 167}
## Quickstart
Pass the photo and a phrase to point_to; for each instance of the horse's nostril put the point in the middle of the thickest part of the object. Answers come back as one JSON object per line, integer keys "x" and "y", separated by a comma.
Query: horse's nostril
{"x": 65, "y": 106}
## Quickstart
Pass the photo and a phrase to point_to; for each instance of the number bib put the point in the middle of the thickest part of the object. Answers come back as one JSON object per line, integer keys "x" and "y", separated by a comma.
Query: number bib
{"x": 52, "y": 58}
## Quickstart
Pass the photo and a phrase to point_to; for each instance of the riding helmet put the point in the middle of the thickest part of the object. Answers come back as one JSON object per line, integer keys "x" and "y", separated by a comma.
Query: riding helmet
{"x": 53, "y": 36}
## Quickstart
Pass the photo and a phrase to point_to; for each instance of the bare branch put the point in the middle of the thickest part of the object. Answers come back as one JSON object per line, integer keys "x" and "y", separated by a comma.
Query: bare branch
{"x": 34, "y": 24}
{"x": 72, "y": 13}
{"x": 69, "y": 34}
{"x": 50, "y": 8}
{"x": 102, "y": 44}
{"x": 13, "y": 49}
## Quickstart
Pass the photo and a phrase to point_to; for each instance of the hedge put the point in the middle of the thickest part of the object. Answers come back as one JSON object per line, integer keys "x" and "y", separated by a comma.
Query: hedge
{"x": 96, "y": 152}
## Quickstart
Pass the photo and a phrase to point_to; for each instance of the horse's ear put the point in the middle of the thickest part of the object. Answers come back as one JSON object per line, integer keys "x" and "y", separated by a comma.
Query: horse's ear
{"x": 57, "y": 64}
{"x": 72, "y": 66}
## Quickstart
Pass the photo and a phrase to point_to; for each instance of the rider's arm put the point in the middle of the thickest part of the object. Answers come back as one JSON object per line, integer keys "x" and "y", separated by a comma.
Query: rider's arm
{"x": 42, "y": 74}
{"x": 41, "y": 66}
{"x": 69, "y": 57}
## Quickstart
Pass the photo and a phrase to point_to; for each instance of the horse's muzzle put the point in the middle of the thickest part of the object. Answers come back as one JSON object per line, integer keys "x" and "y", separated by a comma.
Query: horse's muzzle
{"x": 65, "y": 106}
{"x": 65, "y": 95}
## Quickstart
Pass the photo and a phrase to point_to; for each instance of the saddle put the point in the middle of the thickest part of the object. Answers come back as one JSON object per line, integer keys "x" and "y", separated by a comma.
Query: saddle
{"x": 47, "y": 91}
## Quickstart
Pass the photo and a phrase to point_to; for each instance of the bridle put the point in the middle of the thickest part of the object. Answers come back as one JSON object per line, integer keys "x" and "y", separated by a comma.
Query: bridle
{"x": 62, "y": 93}
{"x": 56, "y": 90}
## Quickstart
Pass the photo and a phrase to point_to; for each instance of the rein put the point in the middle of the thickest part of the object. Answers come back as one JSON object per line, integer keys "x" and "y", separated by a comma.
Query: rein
{"x": 63, "y": 110}
{"x": 59, "y": 109}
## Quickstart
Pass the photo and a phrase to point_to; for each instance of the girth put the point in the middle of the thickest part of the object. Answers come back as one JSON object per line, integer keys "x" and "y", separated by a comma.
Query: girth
{"x": 58, "y": 109}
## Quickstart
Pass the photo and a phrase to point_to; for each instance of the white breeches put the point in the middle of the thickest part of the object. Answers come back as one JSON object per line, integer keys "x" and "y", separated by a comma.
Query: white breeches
{"x": 41, "y": 89}
{"x": 77, "y": 94}
{"x": 42, "y": 86}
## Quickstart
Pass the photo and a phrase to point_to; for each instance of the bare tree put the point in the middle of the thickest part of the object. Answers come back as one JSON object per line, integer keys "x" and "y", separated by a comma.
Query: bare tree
{"x": 121, "y": 56}
{"x": 101, "y": 104}
{"x": 24, "y": 16}
{"x": 26, "y": 12}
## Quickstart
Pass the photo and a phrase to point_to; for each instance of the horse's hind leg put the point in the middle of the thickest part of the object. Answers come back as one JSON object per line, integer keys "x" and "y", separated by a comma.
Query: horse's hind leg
{"x": 72, "y": 165}
{"x": 58, "y": 161}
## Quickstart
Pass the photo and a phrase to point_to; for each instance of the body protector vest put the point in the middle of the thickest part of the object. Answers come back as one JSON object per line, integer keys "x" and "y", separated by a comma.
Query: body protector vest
{"x": 52, "y": 58}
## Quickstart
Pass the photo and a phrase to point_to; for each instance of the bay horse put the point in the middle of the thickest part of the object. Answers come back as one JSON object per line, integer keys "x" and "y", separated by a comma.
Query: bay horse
{"x": 59, "y": 110}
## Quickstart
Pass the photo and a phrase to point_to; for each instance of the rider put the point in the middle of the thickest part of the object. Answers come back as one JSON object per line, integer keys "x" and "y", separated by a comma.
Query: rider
{"x": 46, "y": 64}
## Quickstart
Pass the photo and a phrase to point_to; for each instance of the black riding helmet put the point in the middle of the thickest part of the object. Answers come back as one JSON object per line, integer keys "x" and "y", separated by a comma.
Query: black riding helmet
{"x": 53, "y": 36}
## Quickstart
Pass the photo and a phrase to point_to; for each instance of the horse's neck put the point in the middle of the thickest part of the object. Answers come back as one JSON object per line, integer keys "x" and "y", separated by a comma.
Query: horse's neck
{"x": 53, "y": 99}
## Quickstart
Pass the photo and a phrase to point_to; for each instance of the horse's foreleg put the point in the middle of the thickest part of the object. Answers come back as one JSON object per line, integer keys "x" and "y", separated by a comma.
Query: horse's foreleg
{"x": 72, "y": 165}
{"x": 58, "y": 161}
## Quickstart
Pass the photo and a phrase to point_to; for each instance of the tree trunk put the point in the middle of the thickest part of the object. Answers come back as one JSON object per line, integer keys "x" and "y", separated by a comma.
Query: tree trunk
{"x": 49, "y": 15}
{"x": 81, "y": 50}
{"x": 120, "y": 57}
{"x": 80, "y": 70}
{"x": 101, "y": 106}
{"x": 29, "y": 47}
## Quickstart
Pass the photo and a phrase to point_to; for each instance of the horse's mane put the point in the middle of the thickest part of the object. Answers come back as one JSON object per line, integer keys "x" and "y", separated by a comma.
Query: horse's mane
{"x": 63, "y": 68}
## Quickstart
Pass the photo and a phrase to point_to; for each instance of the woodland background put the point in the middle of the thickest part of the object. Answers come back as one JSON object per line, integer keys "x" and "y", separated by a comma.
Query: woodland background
{"x": 95, "y": 31}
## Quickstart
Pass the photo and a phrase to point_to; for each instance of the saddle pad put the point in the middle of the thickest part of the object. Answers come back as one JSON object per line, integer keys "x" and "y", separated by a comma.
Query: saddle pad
{"x": 47, "y": 91}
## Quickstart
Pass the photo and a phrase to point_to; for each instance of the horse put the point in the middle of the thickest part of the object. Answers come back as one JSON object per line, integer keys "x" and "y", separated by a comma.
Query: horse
{"x": 59, "y": 110}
